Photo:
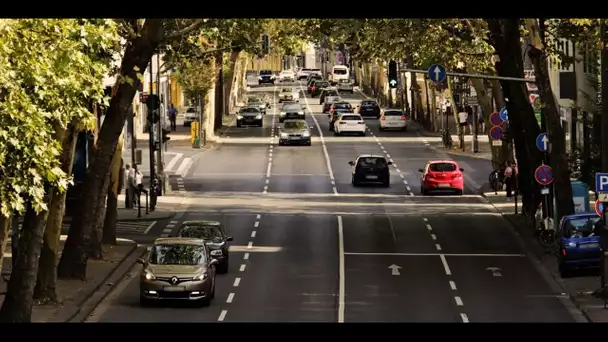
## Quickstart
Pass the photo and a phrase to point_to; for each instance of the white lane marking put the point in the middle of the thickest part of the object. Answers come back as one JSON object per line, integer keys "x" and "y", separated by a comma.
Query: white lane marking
{"x": 173, "y": 161}
{"x": 242, "y": 268}
{"x": 464, "y": 318}
{"x": 237, "y": 281}
{"x": 446, "y": 267}
{"x": 265, "y": 190}
{"x": 149, "y": 227}
{"x": 388, "y": 156}
{"x": 428, "y": 226}
{"x": 325, "y": 153}
{"x": 411, "y": 194}
{"x": 401, "y": 175}
{"x": 408, "y": 188}
{"x": 267, "y": 181}
{"x": 182, "y": 167}
{"x": 342, "y": 272}
{"x": 268, "y": 170}
{"x": 250, "y": 244}
{"x": 404, "y": 182}
{"x": 335, "y": 190}
{"x": 425, "y": 219}
{"x": 230, "y": 297}
{"x": 258, "y": 216}
{"x": 433, "y": 236}
{"x": 438, "y": 246}
{"x": 222, "y": 315}
{"x": 246, "y": 256}
{"x": 458, "y": 301}
{"x": 256, "y": 224}
{"x": 269, "y": 159}
{"x": 398, "y": 170}
{"x": 437, "y": 254}
{"x": 270, "y": 154}
{"x": 253, "y": 234}
{"x": 452, "y": 285}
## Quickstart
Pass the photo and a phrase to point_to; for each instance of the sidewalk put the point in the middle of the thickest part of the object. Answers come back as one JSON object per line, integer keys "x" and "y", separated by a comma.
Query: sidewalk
{"x": 77, "y": 299}
{"x": 484, "y": 150}
{"x": 579, "y": 287}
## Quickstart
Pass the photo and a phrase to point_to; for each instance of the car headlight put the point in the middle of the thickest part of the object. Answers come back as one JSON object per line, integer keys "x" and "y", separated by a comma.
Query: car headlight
{"x": 239, "y": 117}
{"x": 201, "y": 276}
{"x": 150, "y": 276}
{"x": 216, "y": 252}
{"x": 306, "y": 134}
{"x": 260, "y": 78}
{"x": 282, "y": 113}
{"x": 259, "y": 116}
{"x": 284, "y": 135}
{"x": 300, "y": 113}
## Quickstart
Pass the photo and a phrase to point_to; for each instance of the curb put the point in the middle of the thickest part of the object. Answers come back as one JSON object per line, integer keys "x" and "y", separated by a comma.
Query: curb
{"x": 144, "y": 218}
{"x": 457, "y": 153}
{"x": 93, "y": 299}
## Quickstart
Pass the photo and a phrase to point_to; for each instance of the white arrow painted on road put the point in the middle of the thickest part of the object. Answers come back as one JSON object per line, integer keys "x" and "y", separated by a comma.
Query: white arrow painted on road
{"x": 437, "y": 71}
{"x": 545, "y": 142}
{"x": 394, "y": 269}
{"x": 495, "y": 271}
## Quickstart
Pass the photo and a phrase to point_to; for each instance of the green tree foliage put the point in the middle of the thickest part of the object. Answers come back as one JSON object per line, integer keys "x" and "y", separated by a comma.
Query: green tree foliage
{"x": 49, "y": 69}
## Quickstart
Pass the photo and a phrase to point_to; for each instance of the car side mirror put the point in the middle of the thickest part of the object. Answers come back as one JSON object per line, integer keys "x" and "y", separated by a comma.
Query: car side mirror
{"x": 389, "y": 163}
{"x": 141, "y": 261}
{"x": 461, "y": 170}
{"x": 230, "y": 238}
{"x": 351, "y": 163}
{"x": 214, "y": 262}
{"x": 420, "y": 170}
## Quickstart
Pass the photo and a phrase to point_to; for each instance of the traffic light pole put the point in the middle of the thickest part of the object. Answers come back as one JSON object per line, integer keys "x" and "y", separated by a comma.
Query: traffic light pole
{"x": 159, "y": 128}
{"x": 151, "y": 141}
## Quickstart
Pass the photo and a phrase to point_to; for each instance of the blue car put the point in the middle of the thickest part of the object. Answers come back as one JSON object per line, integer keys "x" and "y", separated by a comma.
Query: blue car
{"x": 579, "y": 242}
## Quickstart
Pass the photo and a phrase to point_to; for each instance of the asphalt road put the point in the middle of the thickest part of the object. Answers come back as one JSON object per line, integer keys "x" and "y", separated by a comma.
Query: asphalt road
{"x": 308, "y": 247}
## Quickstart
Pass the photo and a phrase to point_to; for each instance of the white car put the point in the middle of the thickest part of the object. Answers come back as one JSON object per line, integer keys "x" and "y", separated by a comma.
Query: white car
{"x": 289, "y": 94}
{"x": 349, "y": 123}
{"x": 190, "y": 116}
{"x": 393, "y": 119}
{"x": 287, "y": 76}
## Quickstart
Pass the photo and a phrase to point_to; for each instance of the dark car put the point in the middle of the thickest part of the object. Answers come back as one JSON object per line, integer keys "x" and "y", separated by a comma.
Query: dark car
{"x": 294, "y": 132}
{"x": 318, "y": 87}
{"x": 215, "y": 237}
{"x": 311, "y": 85}
{"x": 579, "y": 242}
{"x": 292, "y": 110}
{"x": 313, "y": 76}
{"x": 370, "y": 168}
{"x": 329, "y": 101}
{"x": 250, "y": 116}
{"x": 266, "y": 76}
{"x": 369, "y": 108}
{"x": 328, "y": 92}
{"x": 335, "y": 110}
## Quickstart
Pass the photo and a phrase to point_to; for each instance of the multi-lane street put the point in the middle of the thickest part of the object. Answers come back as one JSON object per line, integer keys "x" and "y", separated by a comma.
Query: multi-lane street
{"x": 310, "y": 247}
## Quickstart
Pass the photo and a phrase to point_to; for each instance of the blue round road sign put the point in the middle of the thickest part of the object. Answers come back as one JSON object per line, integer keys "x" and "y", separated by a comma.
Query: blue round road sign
{"x": 599, "y": 207}
{"x": 504, "y": 115}
{"x": 497, "y": 132}
{"x": 437, "y": 73}
{"x": 544, "y": 175}
{"x": 495, "y": 119}
{"x": 542, "y": 142}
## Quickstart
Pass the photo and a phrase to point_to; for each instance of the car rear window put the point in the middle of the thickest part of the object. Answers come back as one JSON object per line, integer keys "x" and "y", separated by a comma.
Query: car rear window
{"x": 393, "y": 113}
{"x": 265, "y": 72}
{"x": 442, "y": 167}
{"x": 369, "y": 103}
{"x": 286, "y": 90}
{"x": 250, "y": 110}
{"x": 372, "y": 161}
{"x": 583, "y": 227}
{"x": 339, "y": 71}
{"x": 342, "y": 105}
{"x": 295, "y": 124}
{"x": 350, "y": 117}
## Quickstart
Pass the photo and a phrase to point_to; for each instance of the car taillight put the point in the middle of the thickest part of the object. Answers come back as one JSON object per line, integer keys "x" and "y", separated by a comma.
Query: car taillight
{"x": 360, "y": 122}
{"x": 402, "y": 117}
{"x": 384, "y": 118}
{"x": 456, "y": 175}
{"x": 563, "y": 251}
{"x": 341, "y": 122}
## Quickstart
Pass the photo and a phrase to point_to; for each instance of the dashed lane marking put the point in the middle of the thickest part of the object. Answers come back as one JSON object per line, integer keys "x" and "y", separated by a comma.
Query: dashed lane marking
{"x": 438, "y": 246}
{"x": 249, "y": 244}
{"x": 453, "y": 285}
{"x": 246, "y": 256}
{"x": 253, "y": 233}
{"x": 458, "y": 301}
{"x": 242, "y": 268}
{"x": 222, "y": 315}
{"x": 446, "y": 267}
{"x": 464, "y": 318}
{"x": 230, "y": 298}
{"x": 237, "y": 281}
{"x": 256, "y": 224}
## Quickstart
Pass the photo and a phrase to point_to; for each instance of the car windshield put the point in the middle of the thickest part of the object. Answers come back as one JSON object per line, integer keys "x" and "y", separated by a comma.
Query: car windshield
{"x": 250, "y": 110}
{"x": 369, "y": 103}
{"x": 292, "y": 108}
{"x": 207, "y": 233}
{"x": 442, "y": 167}
{"x": 177, "y": 254}
{"x": 342, "y": 105}
{"x": 265, "y": 72}
{"x": 254, "y": 99}
{"x": 393, "y": 113}
{"x": 350, "y": 117}
{"x": 286, "y": 90}
{"x": 190, "y": 110}
{"x": 339, "y": 71}
{"x": 582, "y": 227}
{"x": 371, "y": 162}
{"x": 295, "y": 124}
{"x": 286, "y": 72}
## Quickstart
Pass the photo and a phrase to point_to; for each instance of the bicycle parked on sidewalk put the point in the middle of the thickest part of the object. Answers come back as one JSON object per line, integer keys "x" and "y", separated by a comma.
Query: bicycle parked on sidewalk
{"x": 446, "y": 137}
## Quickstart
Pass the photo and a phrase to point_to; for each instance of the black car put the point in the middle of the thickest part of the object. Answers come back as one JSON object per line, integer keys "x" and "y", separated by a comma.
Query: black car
{"x": 291, "y": 110}
{"x": 371, "y": 168}
{"x": 318, "y": 87}
{"x": 327, "y": 92}
{"x": 369, "y": 108}
{"x": 250, "y": 116}
{"x": 215, "y": 237}
{"x": 266, "y": 76}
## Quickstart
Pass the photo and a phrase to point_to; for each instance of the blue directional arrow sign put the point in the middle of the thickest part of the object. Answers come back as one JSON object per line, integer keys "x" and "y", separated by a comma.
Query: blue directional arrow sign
{"x": 504, "y": 115}
{"x": 544, "y": 175}
{"x": 437, "y": 73}
{"x": 542, "y": 142}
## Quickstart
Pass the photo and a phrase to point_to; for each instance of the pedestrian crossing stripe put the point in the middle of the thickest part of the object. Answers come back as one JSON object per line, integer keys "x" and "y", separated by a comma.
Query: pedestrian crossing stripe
{"x": 135, "y": 227}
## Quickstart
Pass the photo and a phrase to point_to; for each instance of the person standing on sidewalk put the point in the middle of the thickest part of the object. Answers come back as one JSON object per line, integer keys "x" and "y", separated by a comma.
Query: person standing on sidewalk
{"x": 127, "y": 186}
{"x": 133, "y": 186}
{"x": 173, "y": 117}
{"x": 463, "y": 117}
{"x": 509, "y": 179}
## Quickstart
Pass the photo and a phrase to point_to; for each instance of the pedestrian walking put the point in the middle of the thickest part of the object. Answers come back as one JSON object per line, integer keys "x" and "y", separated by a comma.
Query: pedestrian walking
{"x": 509, "y": 179}
{"x": 173, "y": 117}
{"x": 133, "y": 185}
{"x": 127, "y": 186}
{"x": 463, "y": 120}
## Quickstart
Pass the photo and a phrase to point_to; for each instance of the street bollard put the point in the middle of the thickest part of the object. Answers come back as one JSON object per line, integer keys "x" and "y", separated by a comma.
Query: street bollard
{"x": 139, "y": 204}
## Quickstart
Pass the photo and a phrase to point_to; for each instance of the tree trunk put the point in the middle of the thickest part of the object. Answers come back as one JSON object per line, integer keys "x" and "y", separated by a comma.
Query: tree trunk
{"x": 73, "y": 263}
{"x": 234, "y": 55}
{"x": 505, "y": 38}
{"x": 564, "y": 204}
{"x": 506, "y": 150}
{"x": 219, "y": 87}
{"x": 5, "y": 232}
{"x": 450, "y": 96}
{"x": 114, "y": 188}
{"x": 17, "y": 306}
{"x": 46, "y": 281}
{"x": 96, "y": 246}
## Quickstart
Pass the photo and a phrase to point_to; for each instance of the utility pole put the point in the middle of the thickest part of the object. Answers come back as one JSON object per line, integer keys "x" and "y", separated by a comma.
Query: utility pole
{"x": 604, "y": 145}
{"x": 160, "y": 126}
{"x": 151, "y": 138}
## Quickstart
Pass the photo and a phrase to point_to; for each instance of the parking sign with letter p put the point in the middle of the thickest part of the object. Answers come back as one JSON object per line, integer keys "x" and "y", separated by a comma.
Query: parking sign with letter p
{"x": 601, "y": 182}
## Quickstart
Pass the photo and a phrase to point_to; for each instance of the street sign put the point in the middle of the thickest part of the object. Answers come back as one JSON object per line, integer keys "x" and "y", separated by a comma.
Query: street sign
{"x": 393, "y": 83}
{"x": 437, "y": 73}
{"x": 497, "y": 132}
{"x": 542, "y": 142}
{"x": 544, "y": 175}
{"x": 495, "y": 119}
{"x": 601, "y": 182}
{"x": 599, "y": 208}
{"x": 504, "y": 115}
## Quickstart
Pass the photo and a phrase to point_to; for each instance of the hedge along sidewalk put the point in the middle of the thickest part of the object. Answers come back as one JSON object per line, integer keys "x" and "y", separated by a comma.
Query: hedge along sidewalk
{"x": 77, "y": 299}
{"x": 579, "y": 288}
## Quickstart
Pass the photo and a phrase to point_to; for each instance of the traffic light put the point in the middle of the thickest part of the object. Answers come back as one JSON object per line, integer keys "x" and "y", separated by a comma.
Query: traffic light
{"x": 393, "y": 77}
{"x": 265, "y": 44}
{"x": 153, "y": 104}
{"x": 166, "y": 136}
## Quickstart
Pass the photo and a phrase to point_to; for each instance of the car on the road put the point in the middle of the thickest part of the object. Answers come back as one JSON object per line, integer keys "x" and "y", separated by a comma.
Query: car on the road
{"x": 215, "y": 236}
{"x": 328, "y": 91}
{"x": 310, "y": 85}
{"x": 291, "y": 111}
{"x": 579, "y": 242}
{"x": 442, "y": 175}
{"x": 393, "y": 119}
{"x": 287, "y": 76}
{"x": 328, "y": 102}
{"x": 314, "y": 76}
{"x": 289, "y": 94}
{"x": 349, "y": 123}
{"x": 266, "y": 76}
{"x": 178, "y": 269}
{"x": 190, "y": 116}
{"x": 259, "y": 104}
{"x": 370, "y": 168}
{"x": 294, "y": 132}
{"x": 303, "y": 73}
{"x": 250, "y": 116}
{"x": 338, "y": 108}
{"x": 369, "y": 108}
{"x": 346, "y": 86}
{"x": 318, "y": 87}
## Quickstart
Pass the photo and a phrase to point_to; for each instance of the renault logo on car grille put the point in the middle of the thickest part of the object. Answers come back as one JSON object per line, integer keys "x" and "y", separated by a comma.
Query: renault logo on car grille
{"x": 174, "y": 280}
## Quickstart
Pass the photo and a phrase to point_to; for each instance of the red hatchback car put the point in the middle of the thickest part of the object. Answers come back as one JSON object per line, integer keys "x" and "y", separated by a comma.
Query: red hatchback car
{"x": 442, "y": 175}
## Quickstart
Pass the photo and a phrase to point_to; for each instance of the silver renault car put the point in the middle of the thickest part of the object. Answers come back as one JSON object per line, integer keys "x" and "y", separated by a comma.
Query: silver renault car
{"x": 294, "y": 132}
